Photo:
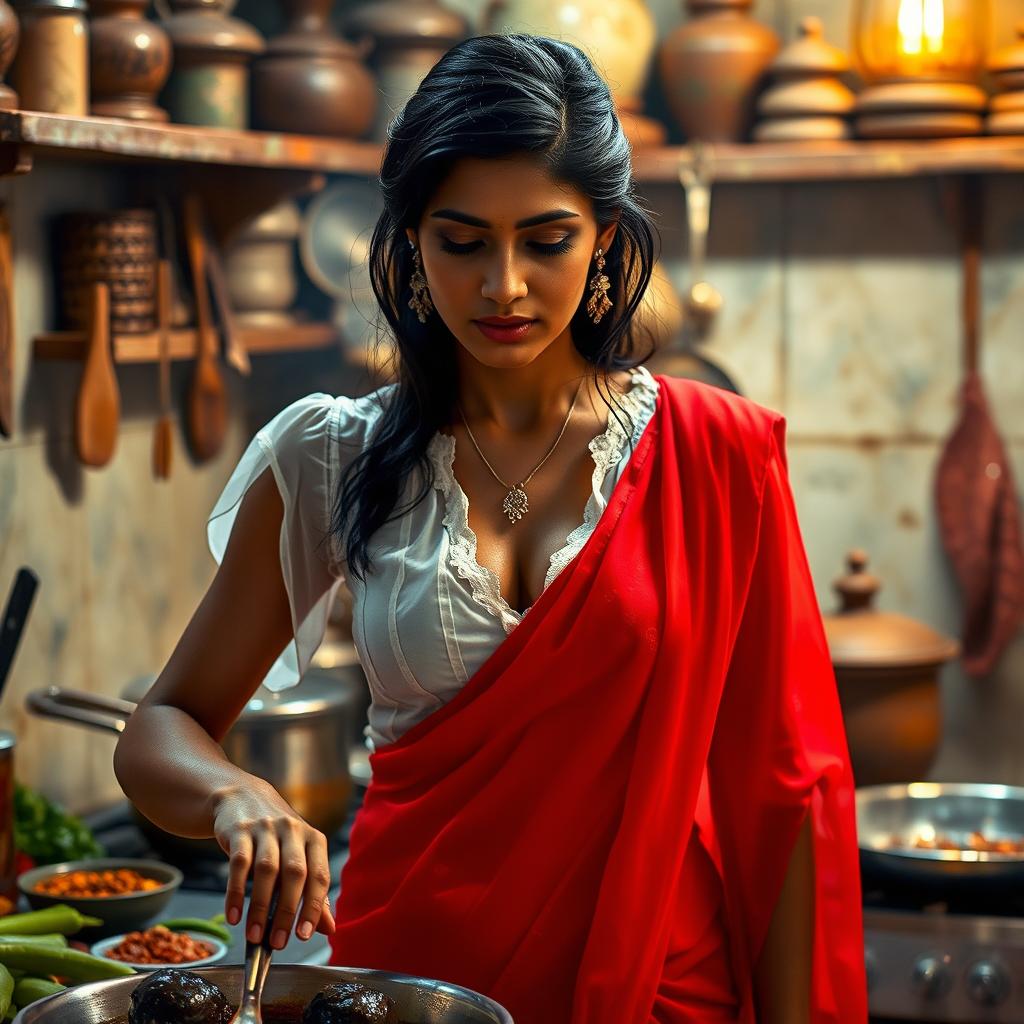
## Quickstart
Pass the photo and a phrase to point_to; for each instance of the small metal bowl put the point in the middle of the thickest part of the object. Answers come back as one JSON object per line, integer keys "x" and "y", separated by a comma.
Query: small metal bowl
{"x": 124, "y": 913}
{"x": 220, "y": 950}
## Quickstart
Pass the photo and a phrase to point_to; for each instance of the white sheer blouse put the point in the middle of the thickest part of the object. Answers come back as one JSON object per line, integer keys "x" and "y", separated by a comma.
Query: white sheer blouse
{"x": 429, "y": 615}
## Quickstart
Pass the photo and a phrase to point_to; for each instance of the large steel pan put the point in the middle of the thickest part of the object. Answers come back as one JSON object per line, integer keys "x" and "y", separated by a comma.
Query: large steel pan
{"x": 289, "y": 987}
{"x": 952, "y": 810}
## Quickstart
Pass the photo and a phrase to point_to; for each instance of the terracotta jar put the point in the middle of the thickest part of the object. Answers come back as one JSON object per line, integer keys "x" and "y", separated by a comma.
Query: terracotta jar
{"x": 129, "y": 60}
{"x": 712, "y": 67}
{"x": 618, "y": 35}
{"x": 9, "y": 32}
{"x": 887, "y": 669}
{"x": 312, "y": 81}
{"x": 209, "y": 83}
{"x": 51, "y": 68}
{"x": 408, "y": 38}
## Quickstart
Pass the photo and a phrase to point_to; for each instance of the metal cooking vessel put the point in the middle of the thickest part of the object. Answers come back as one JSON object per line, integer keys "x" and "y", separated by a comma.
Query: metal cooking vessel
{"x": 298, "y": 740}
{"x": 949, "y": 809}
{"x": 419, "y": 1000}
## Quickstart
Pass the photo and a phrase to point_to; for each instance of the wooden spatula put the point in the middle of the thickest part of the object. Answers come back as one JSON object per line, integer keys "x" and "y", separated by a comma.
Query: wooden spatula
{"x": 163, "y": 436}
{"x": 207, "y": 399}
{"x": 98, "y": 406}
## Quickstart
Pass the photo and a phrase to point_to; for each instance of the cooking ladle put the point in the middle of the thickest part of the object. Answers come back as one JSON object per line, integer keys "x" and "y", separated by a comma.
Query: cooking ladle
{"x": 703, "y": 301}
{"x": 257, "y": 964}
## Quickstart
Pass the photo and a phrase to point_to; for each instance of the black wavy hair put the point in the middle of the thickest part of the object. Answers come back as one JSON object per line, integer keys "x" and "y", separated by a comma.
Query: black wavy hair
{"x": 490, "y": 96}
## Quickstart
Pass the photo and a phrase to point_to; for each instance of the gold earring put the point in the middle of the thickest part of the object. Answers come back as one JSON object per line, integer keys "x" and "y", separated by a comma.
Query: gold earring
{"x": 420, "y": 302}
{"x": 598, "y": 304}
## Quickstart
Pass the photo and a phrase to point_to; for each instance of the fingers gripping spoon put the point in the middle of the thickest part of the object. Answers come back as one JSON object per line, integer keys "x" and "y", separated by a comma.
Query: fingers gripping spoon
{"x": 257, "y": 964}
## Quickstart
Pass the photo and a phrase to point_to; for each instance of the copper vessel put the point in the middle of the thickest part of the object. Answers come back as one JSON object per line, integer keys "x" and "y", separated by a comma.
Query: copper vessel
{"x": 712, "y": 68}
{"x": 887, "y": 669}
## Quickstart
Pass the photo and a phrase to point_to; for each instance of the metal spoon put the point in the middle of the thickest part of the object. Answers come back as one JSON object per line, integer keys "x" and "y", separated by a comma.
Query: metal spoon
{"x": 257, "y": 964}
{"x": 703, "y": 301}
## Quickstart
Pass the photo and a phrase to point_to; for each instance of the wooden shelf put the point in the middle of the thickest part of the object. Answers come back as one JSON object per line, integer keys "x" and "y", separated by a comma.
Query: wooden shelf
{"x": 144, "y": 348}
{"x": 800, "y": 161}
{"x": 116, "y": 139}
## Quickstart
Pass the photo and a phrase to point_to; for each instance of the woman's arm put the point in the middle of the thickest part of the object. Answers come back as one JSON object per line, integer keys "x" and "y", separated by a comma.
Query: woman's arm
{"x": 782, "y": 979}
{"x": 169, "y": 761}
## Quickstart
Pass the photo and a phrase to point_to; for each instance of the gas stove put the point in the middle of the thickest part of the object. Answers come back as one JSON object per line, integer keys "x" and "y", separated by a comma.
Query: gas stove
{"x": 951, "y": 960}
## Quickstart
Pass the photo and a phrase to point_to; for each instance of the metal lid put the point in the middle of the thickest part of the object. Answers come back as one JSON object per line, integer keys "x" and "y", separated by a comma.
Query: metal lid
{"x": 861, "y": 637}
{"x": 51, "y": 6}
{"x": 317, "y": 692}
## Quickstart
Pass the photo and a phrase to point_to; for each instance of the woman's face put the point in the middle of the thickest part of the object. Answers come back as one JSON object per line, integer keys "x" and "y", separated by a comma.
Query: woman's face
{"x": 480, "y": 259}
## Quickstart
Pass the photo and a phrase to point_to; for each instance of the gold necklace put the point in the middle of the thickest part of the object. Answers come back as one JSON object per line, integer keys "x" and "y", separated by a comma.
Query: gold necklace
{"x": 516, "y": 504}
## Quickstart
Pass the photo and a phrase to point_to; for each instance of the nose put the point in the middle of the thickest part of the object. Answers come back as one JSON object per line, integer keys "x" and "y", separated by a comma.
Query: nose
{"x": 503, "y": 280}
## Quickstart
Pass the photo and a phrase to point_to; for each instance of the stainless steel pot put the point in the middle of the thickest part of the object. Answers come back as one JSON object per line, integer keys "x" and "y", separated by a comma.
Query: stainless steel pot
{"x": 289, "y": 987}
{"x": 298, "y": 740}
{"x": 953, "y": 810}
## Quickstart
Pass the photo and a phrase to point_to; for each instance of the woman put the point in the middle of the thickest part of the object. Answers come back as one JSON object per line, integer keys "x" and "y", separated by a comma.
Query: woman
{"x": 610, "y": 777}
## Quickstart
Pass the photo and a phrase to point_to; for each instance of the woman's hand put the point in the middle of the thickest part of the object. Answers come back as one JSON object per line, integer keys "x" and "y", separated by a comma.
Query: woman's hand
{"x": 259, "y": 831}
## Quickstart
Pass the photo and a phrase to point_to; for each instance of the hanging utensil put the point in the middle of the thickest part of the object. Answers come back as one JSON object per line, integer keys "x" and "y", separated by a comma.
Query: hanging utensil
{"x": 234, "y": 348}
{"x": 163, "y": 436}
{"x": 19, "y": 602}
{"x": 703, "y": 301}
{"x": 98, "y": 406}
{"x": 976, "y": 498}
{"x": 207, "y": 399}
{"x": 6, "y": 328}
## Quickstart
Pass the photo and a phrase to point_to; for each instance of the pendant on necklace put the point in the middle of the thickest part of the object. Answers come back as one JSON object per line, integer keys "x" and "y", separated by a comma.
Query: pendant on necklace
{"x": 515, "y": 505}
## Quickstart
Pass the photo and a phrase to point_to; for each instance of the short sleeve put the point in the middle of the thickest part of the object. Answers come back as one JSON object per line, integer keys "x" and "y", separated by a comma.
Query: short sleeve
{"x": 300, "y": 447}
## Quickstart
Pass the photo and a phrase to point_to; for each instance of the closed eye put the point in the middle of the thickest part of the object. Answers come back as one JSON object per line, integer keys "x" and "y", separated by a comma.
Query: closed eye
{"x": 463, "y": 249}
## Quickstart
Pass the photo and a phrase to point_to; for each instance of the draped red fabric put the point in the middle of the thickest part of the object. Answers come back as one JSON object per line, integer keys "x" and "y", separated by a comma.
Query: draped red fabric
{"x": 533, "y": 839}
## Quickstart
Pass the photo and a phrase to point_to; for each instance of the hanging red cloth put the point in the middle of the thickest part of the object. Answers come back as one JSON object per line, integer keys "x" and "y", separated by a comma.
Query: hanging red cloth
{"x": 666, "y": 708}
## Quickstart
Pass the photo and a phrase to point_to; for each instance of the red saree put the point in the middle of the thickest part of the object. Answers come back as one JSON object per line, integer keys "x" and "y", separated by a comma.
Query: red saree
{"x": 682, "y": 652}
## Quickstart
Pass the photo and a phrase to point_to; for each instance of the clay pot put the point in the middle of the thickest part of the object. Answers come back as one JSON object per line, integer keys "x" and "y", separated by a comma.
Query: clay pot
{"x": 887, "y": 669}
{"x": 129, "y": 60}
{"x": 712, "y": 67}
{"x": 408, "y": 38}
{"x": 312, "y": 81}
{"x": 209, "y": 83}
{"x": 618, "y": 35}
{"x": 260, "y": 267}
{"x": 9, "y": 31}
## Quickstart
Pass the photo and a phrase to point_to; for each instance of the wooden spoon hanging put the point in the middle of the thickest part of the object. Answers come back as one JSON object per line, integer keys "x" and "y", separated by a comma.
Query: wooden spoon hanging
{"x": 98, "y": 406}
{"x": 207, "y": 399}
{"x": 163, "y": 437}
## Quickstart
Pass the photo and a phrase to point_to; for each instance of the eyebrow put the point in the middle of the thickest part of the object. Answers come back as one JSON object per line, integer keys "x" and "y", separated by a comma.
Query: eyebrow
{"x": 527, "y": 222}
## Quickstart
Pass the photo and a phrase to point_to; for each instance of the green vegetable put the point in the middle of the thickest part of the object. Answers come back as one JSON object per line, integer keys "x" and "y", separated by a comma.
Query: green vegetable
{"x": 28, "y": 990}
{"x": 56, "y": 941}
{"x": 198, "y": 924}
{"x": 59, "y": 918}
{"x": 66, "y": 963}
{"x": 47, "y": 833}
{"x": 6, "y": 989}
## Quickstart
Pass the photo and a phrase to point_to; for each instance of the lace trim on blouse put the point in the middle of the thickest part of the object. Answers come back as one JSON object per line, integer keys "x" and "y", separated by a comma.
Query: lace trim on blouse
{"x": 606, "y": 449}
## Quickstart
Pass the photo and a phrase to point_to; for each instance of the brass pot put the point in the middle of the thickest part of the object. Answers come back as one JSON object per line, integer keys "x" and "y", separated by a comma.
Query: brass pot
{"x": 887, "y": 669}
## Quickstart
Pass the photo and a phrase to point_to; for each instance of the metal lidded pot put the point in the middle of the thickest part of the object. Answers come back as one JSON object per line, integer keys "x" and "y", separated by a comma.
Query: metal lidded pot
{"x": 887, "y": 669}
{"x": 297, "y": 739}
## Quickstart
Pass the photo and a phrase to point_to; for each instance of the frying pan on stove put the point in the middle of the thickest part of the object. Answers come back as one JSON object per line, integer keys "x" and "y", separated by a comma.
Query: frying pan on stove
{"x": 892, "y": 819}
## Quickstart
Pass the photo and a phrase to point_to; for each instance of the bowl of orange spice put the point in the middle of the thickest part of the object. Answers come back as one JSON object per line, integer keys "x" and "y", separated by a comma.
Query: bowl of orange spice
{"x": 155, "y": 948}
{"x": 124, "y": 893}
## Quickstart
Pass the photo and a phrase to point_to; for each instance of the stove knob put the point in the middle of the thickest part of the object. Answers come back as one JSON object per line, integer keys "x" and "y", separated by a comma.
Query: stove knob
{"x": 932, "y": 977}
{"x": 987, "y": 983}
